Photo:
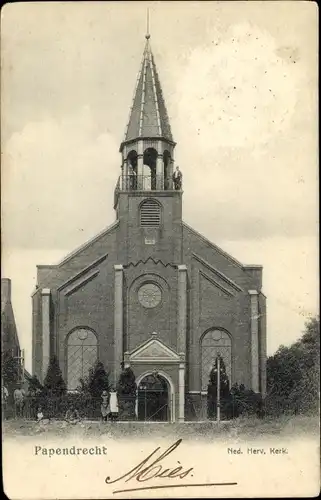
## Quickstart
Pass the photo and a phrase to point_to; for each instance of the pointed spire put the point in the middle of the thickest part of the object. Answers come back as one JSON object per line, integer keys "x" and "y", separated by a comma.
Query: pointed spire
{"x": 148, "y": 114}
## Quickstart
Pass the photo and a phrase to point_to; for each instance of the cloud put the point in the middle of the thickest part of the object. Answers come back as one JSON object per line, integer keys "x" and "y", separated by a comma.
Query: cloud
{"x": 247, "y": 137}
{"x": 238, "y": 92}
{"x": 58, "y": 182}
{"x": 243, "y": 125}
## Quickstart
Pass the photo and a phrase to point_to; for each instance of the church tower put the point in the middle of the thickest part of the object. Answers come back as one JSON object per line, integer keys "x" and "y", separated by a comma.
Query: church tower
{"x": 147, "y": 204}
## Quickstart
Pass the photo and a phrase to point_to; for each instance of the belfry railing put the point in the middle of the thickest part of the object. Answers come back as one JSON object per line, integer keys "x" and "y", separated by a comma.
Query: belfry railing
{"x": 134, "y": 182}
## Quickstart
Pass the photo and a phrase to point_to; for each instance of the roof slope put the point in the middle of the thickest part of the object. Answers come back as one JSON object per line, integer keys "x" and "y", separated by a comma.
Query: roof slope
{"x": 148, "y": 114}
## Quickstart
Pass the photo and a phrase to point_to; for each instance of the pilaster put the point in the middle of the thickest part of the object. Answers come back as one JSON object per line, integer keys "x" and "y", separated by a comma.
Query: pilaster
{"x": 159, "y": 172}
{"x": 181, "y": 390}
{"x": 254, "y": 297}
{"x": 140, "y": 164}
{"x": 181, "y": 339}
{"x": 45, "y": 308}
{"x": 118, "y": 321}
{"x": 182, "y": 308}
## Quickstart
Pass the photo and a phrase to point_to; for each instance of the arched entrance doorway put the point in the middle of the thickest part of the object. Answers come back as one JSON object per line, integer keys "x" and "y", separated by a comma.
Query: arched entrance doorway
{"x": 153, "y": 398}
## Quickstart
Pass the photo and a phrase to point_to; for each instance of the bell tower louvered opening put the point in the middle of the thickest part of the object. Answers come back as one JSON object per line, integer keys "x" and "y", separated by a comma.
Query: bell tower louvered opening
{"x": 150, "y": 214}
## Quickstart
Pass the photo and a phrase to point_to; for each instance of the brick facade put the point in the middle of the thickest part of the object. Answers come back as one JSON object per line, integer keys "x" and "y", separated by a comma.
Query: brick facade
{"x": 200, "y": 288}
{"x": 82, "y": 291}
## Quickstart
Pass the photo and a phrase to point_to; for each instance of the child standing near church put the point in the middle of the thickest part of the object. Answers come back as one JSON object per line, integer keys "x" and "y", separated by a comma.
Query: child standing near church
{"x": 39, "y": 414}
{"x": 113, "y": 403}
{"x": 105, "y": 408}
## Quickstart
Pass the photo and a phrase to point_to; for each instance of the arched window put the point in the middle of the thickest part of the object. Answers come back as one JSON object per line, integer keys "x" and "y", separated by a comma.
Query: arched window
{"x": 213, "y": 343}
{"x": 81, "y": 355}
{"x": 132, "y": 159}
{"x": 150, "y": 159}
{"x": 150, "y": 214}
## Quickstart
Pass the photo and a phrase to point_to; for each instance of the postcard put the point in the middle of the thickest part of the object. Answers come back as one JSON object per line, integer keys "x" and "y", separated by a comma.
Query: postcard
{"x": 159, "y": 296}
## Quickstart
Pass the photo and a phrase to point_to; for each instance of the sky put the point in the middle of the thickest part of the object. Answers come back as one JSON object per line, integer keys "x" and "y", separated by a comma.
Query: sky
{"x": 240, "y": 85}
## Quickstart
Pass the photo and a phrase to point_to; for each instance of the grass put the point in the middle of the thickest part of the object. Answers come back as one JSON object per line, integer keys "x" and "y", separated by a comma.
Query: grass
{"x": 238, "y": 429}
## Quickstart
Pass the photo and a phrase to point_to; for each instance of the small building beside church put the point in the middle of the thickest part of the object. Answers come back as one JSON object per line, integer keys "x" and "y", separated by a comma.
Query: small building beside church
{"x": 9, "y": 335}
{"x": 149, "y": 291}
{"x": 10, "y": 345}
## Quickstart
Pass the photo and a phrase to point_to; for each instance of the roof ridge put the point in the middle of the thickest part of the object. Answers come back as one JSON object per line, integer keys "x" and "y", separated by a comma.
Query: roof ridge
{"x": 134, "y": 94}
{"x": 152, "y": 63}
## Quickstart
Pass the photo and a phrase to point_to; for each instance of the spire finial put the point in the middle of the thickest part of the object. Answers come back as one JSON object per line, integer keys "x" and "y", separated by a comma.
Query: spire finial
{"x": 147, "y": 36}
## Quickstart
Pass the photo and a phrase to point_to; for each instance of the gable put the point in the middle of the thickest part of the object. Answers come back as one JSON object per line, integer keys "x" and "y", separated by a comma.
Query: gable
{"x": 221, "y": 267}
{"x": 73, "y": 268}
{"x": 217, "y": 276}
{"x": 154, "y": 350}
{"x": 214, "y": 248}
{"x": 88, "y": 244}
{"x": 81, "y": 278}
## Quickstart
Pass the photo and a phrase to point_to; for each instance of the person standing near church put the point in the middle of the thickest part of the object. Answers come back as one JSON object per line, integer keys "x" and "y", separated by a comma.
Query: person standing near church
{"x": 177, "y": 179}
{"x": 105, "y": 408}
{"x": 4, "y": 399}
{"x": 5, "y": 394}
{"x": 113, "y": 403}
{"x": 19, "y": 401}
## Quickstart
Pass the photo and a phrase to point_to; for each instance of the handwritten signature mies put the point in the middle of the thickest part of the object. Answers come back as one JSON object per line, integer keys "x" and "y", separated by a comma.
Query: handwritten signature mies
{"x": 145, "y": 471}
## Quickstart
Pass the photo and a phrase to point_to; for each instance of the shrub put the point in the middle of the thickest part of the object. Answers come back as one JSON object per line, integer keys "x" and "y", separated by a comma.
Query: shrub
{"x": 10, "y": 370}
{"x": 54, "y": 384}
{"x": 34, "y": 385}
{"x": 98, "y": 380}
{"x": 126, "y": 392}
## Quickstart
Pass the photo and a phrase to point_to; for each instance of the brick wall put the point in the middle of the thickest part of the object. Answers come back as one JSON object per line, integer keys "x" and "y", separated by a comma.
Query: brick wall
{"x": 131, "y": 238}
{"x": 217, "y": 302}
{"x": 89, "y": 306}
{"x": 141, "y": 322}
{"x": 75, "y": 305}
{"x": 217, "y": 291}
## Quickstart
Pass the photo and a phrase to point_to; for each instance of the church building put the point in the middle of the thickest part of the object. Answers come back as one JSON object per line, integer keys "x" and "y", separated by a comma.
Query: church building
{"x": 149, "y": 291}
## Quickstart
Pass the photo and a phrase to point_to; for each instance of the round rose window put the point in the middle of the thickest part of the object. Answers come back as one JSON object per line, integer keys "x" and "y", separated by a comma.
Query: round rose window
{"x": 149, "y": 295}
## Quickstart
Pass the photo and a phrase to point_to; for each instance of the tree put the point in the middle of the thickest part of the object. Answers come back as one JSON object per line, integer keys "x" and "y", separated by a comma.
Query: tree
{"x": 126, "y": 392}
{"x": 10, "y": 370}
{"x": 293, "y": 373}
{"x": 98, "y": 380}
{"x": 212, "y": 388}
{"x": 54, "y": 384}
{"x": 34, "y": 385}
{"x": 243, "y": 401}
